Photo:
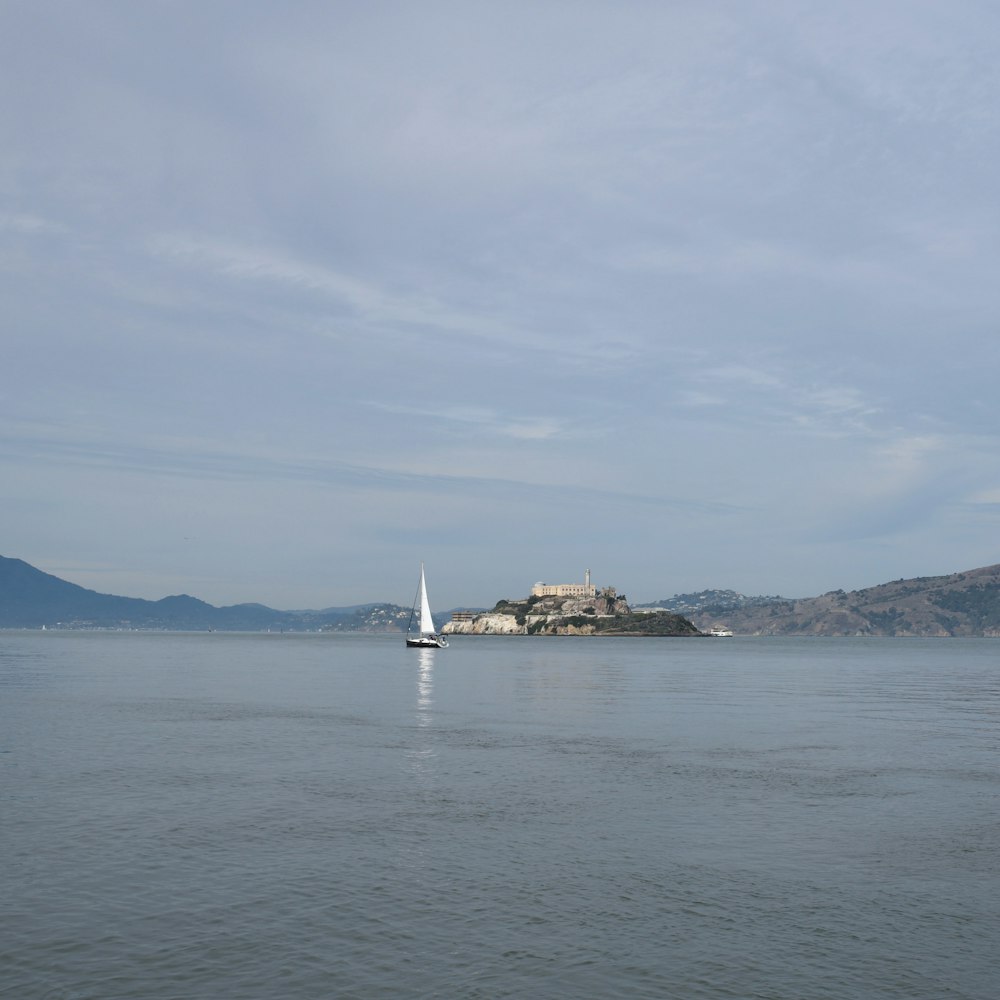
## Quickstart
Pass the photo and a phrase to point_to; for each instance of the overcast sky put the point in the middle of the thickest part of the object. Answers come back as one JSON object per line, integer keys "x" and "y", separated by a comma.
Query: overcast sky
{"x": 692, "y": 294}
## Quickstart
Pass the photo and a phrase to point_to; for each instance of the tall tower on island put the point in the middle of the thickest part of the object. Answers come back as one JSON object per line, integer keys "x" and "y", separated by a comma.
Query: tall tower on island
{"x": 586, "y": 580}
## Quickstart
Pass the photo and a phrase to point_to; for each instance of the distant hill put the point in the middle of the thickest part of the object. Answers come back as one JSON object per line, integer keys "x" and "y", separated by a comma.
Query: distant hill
{"x": 30, "y": 598}
{"x": 716, "y": 600}
{"x": 961, "y": 604}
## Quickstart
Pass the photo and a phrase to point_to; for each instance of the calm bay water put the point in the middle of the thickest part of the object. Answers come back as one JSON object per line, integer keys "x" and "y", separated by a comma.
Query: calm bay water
{"x": 277, "y": 816}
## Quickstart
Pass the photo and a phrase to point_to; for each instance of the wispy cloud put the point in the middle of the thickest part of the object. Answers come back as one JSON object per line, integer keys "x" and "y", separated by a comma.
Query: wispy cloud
{"x": 783, "y": 394}
{"x": 47, "y": 445}
{"x": 30, "y": 225}
{"x": 483, "y": 419}
{"x": 372, "y": 302}
{"x": 723, "y": 258}
{"x": 256, "y": 265}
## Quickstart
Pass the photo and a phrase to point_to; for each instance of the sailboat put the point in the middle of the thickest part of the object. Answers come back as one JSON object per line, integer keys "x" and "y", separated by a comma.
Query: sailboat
{"x": 426, "y": 635}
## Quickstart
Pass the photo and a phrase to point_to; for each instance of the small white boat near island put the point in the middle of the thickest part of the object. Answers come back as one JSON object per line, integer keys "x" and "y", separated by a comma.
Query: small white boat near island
{"x": 720, "y": 631}
{"x": 426, "y": 636}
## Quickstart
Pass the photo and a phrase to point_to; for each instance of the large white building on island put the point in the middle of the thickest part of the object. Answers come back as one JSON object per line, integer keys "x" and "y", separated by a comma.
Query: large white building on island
{"x": 585, "y": 589}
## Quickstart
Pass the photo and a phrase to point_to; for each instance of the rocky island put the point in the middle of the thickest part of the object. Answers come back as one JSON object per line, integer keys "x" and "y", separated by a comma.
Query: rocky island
{"x": 569, "y": 609}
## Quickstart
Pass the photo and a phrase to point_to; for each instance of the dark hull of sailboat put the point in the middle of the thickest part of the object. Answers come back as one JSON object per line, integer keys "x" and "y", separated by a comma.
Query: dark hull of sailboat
{"x": 426, "y": 642}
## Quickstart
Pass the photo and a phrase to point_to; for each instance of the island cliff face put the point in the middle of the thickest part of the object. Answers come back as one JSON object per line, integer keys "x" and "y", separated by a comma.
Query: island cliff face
{"x": 605, "y": 614}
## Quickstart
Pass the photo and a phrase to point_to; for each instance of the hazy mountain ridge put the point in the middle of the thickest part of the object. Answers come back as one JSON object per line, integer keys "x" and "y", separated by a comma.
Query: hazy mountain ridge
{"x": 959, "y": 604}
{"x": 714, "y": 600}
{"x": 30, "y": 598}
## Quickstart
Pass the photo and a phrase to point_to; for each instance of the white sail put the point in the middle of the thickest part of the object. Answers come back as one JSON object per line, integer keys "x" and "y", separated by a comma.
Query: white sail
{"x": 426, "y": 622}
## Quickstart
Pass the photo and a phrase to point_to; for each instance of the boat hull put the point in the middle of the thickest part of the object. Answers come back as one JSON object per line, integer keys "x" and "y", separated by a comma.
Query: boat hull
{"x": 427, "y": 642}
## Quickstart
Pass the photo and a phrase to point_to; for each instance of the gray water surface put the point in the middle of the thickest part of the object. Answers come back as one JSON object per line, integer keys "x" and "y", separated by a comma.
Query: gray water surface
{"x": 278, "y": 816}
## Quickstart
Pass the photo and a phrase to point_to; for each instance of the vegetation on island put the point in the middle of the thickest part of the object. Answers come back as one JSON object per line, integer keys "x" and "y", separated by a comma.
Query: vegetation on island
{"x": 661, "y": 624}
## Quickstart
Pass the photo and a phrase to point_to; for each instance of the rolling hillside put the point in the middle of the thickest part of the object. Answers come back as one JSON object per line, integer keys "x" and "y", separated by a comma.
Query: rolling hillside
{"x": 30, "y": 598}
{"x": 961, "y": 604}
